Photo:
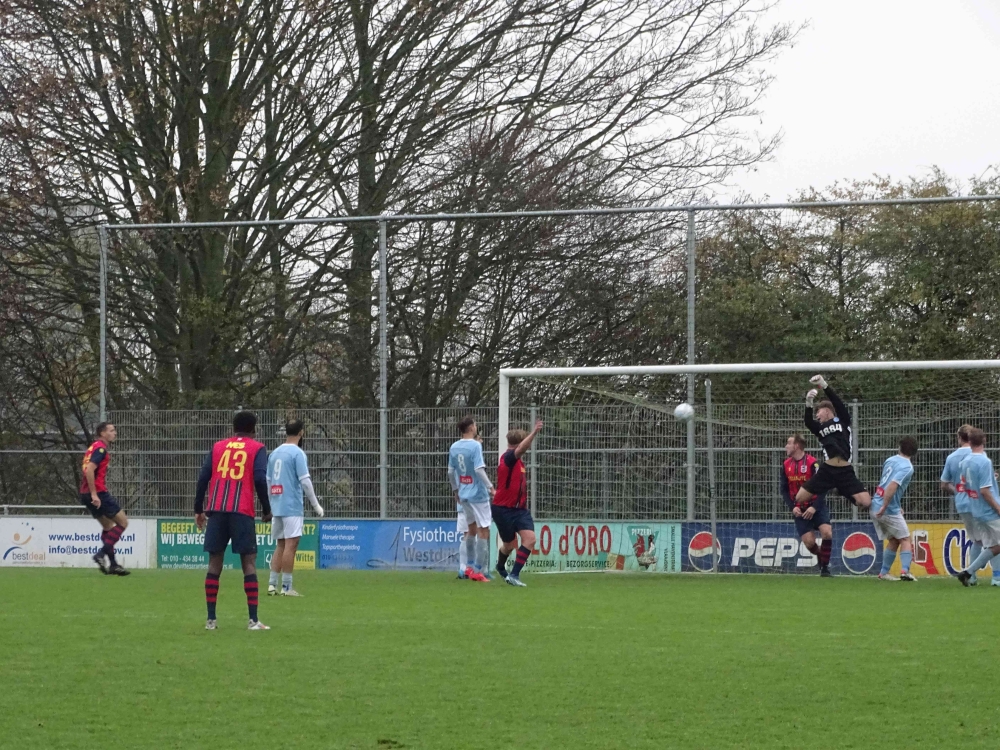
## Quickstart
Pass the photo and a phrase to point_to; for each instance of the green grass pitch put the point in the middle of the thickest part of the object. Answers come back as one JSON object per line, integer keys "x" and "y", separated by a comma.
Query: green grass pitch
{"x": 417, "y": 660}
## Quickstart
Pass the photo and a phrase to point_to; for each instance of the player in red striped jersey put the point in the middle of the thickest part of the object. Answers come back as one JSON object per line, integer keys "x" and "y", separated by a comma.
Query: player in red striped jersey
{"x": 103, "y": 506}
{"x": 811, "y": 513}
{"x": 510, "y": 505}
{"x": 234, "y": 469}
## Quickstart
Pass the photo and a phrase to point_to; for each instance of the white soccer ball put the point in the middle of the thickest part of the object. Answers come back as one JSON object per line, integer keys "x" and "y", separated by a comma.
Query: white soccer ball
{"x": 684, "y": 412}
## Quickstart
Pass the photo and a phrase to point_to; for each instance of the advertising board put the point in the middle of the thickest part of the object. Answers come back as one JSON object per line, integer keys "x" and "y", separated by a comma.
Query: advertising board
{"x": 71, "y": 542}
{"x": 180, "y": 545}
{"x": 774, "y": 546}
{"x": 560, "y": 545}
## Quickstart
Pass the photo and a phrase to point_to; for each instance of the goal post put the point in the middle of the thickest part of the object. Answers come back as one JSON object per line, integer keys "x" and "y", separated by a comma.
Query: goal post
{"x": 612, "y": 448}
{"x": 509, "y": 373}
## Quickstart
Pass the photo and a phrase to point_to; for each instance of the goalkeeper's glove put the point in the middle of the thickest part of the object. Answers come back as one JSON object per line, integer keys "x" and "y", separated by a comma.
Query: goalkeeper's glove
{"x": 810, "y": 397}
{"x": 819, "y": 381}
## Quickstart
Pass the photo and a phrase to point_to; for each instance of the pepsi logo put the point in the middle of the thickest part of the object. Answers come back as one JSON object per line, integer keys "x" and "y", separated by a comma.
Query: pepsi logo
{"x": 700, "y": 551}
{"x": 858, "y": 553}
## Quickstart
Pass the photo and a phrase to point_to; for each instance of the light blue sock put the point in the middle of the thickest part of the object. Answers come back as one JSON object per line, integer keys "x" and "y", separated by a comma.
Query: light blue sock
{"x": 981, "y": 562}
{"x": 976, "y": 551}
{"x": 888, "y": 558}
{"x": 482, "y": 554}
{"x": 470, "y": 548}
{"x": 286, "y": 581}
{"x": 273, "y": 580}
{"x": 905, "y": 558}
{"x": 463, "y": 556}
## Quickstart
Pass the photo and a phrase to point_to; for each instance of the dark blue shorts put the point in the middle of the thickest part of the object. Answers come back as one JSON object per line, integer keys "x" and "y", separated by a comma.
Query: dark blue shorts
{"x": 822, "y": 516}
{"x": 109, "y": 505}
{"x": 223, "y": 527}
{"x": 509, "y": 521}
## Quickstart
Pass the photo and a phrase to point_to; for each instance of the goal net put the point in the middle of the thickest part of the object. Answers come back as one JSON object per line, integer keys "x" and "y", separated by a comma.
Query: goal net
{"x": 617, "y": 482}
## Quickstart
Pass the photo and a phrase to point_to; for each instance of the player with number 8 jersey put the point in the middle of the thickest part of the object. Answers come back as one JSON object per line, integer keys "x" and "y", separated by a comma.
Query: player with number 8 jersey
{"x": 234, "y": 470}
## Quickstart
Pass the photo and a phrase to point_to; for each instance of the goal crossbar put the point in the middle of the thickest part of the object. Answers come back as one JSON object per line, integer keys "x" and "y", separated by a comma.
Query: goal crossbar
{"x": 507, "y": 373}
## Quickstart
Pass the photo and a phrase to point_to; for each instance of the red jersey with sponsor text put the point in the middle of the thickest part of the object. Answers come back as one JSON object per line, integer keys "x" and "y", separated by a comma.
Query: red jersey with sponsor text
{"x": 512, "y": 482}
{"x": 98, "y": 454}
{"x": 797, "y": 472}
{"x": 231, "y": 489}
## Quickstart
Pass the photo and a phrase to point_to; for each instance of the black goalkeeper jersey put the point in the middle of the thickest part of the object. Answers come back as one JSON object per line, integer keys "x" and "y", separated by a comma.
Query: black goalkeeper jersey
{"x": 835, "y": 434}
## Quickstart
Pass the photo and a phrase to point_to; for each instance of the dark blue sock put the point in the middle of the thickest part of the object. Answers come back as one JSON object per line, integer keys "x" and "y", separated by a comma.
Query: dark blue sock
{"x": 502, "y": 563}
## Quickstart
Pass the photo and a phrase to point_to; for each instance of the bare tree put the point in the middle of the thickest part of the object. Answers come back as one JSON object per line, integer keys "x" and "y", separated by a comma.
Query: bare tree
{"x": 154, "y": 111}
{"x": 537, "y": 105}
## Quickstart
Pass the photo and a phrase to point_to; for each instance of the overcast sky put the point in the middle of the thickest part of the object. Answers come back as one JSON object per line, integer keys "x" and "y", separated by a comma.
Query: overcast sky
{"x": 891, "y": 87}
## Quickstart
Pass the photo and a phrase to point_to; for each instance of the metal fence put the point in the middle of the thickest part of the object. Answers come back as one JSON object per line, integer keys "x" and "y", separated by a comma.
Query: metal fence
{"x": 617, "y": 461}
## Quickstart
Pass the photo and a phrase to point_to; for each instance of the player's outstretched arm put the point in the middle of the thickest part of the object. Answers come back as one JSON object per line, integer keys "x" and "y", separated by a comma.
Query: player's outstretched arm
{"x": 838, "y": 404}
{"x": 525, "y": 444}
{"x": 811, "y": 424}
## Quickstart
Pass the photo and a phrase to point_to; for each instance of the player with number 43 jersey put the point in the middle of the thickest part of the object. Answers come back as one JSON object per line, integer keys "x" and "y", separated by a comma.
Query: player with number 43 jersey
{"x": 233, "y": 471}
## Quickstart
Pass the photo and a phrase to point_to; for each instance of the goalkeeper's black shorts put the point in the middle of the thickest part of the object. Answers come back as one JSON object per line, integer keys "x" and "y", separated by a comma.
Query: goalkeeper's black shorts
{"x": 840, "y": 478}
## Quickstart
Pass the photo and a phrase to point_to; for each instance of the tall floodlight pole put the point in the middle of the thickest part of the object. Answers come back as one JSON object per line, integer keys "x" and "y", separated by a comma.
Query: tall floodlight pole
{"x": 383, "y": 365}
{"x": 102, "y": 236}
{"x": 690, "y": 361}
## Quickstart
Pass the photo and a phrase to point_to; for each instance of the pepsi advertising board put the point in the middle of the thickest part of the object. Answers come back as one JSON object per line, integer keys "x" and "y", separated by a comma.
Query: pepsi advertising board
{"x": 775, "y": 547}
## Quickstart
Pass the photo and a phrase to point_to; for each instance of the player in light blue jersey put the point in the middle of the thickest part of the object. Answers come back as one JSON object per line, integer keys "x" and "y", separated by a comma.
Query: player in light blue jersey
{"x": 288, "y": 479}
{"x": 980, "y": 484}
{"x": 951, "y": 481}
{"x": 473, "y": 491}
{"x": 887, "y": 515}
{"x": 462, "y": 527}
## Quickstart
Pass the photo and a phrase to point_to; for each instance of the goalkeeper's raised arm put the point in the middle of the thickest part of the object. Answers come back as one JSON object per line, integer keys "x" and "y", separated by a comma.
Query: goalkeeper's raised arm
{"x": 839, "y": 407}
{"x": 809, "y": 418}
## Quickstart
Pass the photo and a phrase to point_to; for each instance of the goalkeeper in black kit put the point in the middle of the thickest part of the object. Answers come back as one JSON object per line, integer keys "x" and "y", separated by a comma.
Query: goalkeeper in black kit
{"x": 830, "y": 422}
